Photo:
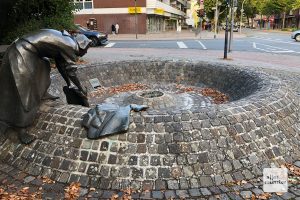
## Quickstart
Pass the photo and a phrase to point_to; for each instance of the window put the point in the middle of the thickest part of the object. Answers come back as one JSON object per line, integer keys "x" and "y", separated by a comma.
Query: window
{"x": 84, "y": 4}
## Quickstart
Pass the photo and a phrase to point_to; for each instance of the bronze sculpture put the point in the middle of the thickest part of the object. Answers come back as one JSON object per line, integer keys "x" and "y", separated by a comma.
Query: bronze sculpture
{"x": 25, "y": 75}
{"x": 108, "y": 119}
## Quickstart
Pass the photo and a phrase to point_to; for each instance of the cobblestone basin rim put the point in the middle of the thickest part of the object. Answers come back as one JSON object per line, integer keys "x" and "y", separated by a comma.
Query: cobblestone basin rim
{"x": 167, "y": 149}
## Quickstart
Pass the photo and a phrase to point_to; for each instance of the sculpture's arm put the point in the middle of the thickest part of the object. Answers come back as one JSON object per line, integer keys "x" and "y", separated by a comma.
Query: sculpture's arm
{"x": 61, "y": 65}
{"x": 71, "y": 72}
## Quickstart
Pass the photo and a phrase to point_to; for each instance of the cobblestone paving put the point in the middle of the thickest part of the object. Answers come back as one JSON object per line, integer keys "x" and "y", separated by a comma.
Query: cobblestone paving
{"x": 178, "y": 153}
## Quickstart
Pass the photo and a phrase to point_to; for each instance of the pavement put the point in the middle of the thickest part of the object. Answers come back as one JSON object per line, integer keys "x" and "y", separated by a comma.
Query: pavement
{"x": 172, "y": 35}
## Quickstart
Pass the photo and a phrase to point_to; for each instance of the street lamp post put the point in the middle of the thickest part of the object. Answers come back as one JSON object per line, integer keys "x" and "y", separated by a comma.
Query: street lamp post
{"x": 226, "y": 31}
{"x": 242, "y": 11}
{"x": 135, "y": 16}
{"x": 231, "y": 25}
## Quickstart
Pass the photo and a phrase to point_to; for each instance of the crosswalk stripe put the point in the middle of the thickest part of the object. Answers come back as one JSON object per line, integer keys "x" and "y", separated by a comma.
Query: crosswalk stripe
{"x": 181, "y": 45}
{"x": 203, "y": 46}
{"x": 269, "y": 48}
{"x": 272, "y": 40}
{"x": 110, "y": 45}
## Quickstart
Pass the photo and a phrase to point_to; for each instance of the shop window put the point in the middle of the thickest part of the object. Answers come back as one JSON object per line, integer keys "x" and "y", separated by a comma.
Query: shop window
{"x": 84, "y": 4}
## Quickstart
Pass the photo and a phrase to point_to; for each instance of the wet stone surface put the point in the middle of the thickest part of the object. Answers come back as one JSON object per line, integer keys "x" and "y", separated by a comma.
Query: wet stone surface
{"x": 173, "y": 152}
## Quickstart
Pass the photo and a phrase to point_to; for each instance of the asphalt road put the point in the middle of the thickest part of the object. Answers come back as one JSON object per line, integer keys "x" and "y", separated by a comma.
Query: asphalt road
{"x": 256, "y": 41}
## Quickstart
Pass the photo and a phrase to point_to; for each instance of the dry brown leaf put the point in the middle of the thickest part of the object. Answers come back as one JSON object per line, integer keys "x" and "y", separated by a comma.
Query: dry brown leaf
{"x": 114, "y": 197}
{"x": 293, "y": 169}
{"x": 72, "y": 191}
{"x": 264, "y": 196}
{"x": 47, "y": 180}
{"x": 118, "y": 89}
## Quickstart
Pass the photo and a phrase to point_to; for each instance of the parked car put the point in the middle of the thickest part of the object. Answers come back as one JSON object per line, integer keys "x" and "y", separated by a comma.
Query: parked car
{"x": 296, "y": 35}
{"x": 97, "y": 37}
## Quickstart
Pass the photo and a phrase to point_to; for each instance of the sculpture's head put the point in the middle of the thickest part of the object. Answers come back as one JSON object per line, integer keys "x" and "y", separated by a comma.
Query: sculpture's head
{"x": 83, "y": 44}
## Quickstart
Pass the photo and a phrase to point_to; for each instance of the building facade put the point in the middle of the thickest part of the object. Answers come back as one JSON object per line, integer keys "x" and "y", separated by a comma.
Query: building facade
{"x": 133, "y": 16}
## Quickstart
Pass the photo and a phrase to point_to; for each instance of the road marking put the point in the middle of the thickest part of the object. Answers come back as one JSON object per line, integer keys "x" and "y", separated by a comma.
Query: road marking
{"x": 203, "y": 46}
{"x": 272, "y": 40}
{"x": 110, "y": 45}
{"x": 181, "y": 45}
{"x": 255, "y": 47}
{"x": 271, "y": 49}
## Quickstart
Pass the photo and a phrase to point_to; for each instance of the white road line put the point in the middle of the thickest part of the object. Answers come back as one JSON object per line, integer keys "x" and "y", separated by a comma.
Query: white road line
{"x": 288, "y": 51}
{"x": 181, "y": 45}
{"x": 255, "y": 47}
{"x": 110, "y": 45}
{"x": 203, "y": 46}
{"x": 261, "y": 38}
{"x": 269, "y": 48}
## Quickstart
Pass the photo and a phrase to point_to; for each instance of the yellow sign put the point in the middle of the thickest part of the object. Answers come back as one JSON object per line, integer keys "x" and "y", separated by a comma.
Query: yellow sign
{"x": 159, "y": 11}
{"x": 131, "y": 10}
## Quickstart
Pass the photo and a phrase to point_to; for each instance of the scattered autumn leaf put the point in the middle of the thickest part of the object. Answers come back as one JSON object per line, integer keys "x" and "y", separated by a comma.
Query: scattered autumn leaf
{"x": 293, "y": 169}
{"x": 118, "y": 89}
{"x": 47, "y": 180}
{"x": 22, "y": 194}
{"x": 72, "y": 191}
{"x": 264, "y": 196}
{"x": 114, "y": 197}
{"x": 217, "y": 96}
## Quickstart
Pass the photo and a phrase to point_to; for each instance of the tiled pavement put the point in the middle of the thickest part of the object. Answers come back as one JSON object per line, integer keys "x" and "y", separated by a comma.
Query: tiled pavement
{"x": 236, "y": 186}
{"x": 13, "y": 180}
{"x": 182, "y": 188}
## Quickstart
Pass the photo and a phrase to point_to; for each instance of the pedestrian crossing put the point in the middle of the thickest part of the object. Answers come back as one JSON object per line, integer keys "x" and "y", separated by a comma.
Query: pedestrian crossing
{"x": 196, "y": 44}
{"x": 181, "y": 45}
{"x": 254, "y": 44}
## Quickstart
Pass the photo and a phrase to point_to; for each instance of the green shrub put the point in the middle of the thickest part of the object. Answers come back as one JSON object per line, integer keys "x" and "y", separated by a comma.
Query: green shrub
{"x": 57, "y": 22}
{"x": 287, "y": 29}
{"x": 29, "y": 15}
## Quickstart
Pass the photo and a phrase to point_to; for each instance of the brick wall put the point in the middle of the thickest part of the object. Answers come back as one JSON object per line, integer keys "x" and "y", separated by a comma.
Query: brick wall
{"x": 125, "y": 21}
{"x": 118, "y": 3}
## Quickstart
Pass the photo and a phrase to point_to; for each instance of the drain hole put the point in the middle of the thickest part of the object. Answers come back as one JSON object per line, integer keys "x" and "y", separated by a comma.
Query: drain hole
{"x": 151, "y": 94}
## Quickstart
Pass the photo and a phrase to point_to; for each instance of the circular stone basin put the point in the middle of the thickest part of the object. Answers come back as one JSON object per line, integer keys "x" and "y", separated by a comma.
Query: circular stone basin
{"x": 182, "y": 137}
{"x": 151, "y": 94}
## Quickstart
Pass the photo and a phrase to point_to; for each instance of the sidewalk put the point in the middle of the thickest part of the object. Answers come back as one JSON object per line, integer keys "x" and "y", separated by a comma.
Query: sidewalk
{"x": 273, "y": 31}
{"x": 171, "y": 35}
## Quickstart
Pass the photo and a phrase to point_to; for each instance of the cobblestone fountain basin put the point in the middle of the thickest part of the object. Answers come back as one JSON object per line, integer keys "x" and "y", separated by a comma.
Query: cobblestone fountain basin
{"x": 182, "y": 141}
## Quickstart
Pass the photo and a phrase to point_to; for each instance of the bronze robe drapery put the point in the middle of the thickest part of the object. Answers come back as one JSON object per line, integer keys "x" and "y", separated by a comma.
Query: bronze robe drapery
{"x": 25, "y": 73}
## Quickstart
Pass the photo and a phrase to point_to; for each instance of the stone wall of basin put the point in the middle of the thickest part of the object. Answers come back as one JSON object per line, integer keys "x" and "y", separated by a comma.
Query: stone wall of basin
{"x": 235, "y": 82}
{"x": 168, "y": 149}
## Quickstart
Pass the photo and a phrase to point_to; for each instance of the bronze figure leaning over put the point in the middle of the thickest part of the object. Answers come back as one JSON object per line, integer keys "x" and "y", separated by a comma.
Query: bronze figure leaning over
{"x": 25, "y": 75}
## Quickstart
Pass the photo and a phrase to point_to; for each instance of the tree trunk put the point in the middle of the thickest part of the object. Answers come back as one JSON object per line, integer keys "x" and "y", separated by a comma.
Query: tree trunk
{"x": 260, "y": 22}
{"x": 248, "y": 21}
{"x": 283, "y": 20}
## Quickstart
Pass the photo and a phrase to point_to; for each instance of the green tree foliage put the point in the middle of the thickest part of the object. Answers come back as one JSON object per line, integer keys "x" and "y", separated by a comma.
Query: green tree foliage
{"x": 277, "y": 7}
{"x": 296, "y": 4}
{"x": 250, "y": 9}
{"x": 210, "y": 5}
{"x": 19, "y": 17}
